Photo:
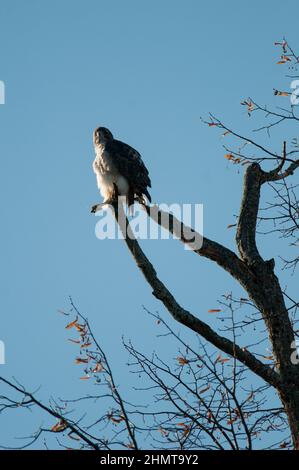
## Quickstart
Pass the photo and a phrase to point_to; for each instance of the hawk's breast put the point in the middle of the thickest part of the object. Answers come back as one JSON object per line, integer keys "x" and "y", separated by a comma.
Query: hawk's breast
{"x": 108, "y": 175}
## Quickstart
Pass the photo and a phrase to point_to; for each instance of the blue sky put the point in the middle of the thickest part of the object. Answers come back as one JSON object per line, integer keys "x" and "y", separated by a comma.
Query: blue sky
{"x": 148, "y": 70}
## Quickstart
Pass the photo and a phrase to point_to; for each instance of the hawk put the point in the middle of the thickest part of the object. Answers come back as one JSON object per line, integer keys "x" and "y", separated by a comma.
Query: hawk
{"x": 119, "y": 169}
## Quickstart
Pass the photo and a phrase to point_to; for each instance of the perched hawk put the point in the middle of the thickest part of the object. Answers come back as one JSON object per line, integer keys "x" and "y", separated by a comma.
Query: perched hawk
{"x": 119, "y": 168}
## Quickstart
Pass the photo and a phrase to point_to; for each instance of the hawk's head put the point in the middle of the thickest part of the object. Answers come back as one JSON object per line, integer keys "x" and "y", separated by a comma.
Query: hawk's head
{"x": 101, "y": 135}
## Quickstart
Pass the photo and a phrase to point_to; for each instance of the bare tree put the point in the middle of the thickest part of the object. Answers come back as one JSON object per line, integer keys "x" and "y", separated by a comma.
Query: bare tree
{"x": 255, "y": 275}
{"x": 205, "y": 398}
{"x": 198, "y": 400}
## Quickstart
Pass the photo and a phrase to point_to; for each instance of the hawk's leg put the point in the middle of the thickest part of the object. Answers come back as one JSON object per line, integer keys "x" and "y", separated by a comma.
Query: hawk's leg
{"x": 115, "y": 193}
{"x": 111, "y": 201}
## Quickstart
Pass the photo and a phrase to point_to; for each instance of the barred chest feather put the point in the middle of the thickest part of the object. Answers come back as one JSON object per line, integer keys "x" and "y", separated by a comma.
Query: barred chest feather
{"x": 107, "y": 174}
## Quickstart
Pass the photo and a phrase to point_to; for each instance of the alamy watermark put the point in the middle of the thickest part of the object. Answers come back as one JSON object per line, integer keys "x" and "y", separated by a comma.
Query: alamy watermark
{"x": 2, "y": 352}
{"x": 157, "y": 222}
{"x": 2, "y": 92}
{"x": 295, "y": 93}
{"x": 295, "y": 353}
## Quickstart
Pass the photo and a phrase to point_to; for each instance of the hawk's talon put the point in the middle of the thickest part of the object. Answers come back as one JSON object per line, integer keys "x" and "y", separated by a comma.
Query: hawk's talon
{"x": 95, "y": 208}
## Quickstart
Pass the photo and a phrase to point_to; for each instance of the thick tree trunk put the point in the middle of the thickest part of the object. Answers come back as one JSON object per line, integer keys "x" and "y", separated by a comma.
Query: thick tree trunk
{"x": 255, "y": 275}
{"x": 265, "y": 291}
{"x": 290, "y": 400}
{"x": 272, "y": 307}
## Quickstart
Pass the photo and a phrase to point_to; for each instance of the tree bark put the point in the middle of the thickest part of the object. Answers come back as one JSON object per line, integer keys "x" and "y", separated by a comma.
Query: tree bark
{"x": 254, "y": 274}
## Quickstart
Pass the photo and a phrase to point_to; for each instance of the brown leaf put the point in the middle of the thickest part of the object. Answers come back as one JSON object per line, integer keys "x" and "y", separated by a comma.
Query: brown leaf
{"x": 85, "y": 377}
{"x": 114, "y": 419}
{"x": 80, "y": 328}
{"x": 182, "y": 360}
{"x": 85, "y": 345}
{"x": 204, "y": 389}
{"x": 130, "y": 446}
{"x": 231, "y": 421}
{"x": 186, "y": 431}
{"x": 249, "y": 104}
{"x": 81, "y": 360}
{"x": 60, "y": 426}
{"x": 72, "y": 324}
{"x": 223, "y": 360}
{"x": 283, "y": 445}
{"x": 225, "y": 133}
{"x": 98, "y": 367}
{"x": 281, "y": 93}
{"x": 218, "y": 358}
{"x": 214, "y": 310}
{"x": 229, "y": 156}
{"x": 163, "y": 431}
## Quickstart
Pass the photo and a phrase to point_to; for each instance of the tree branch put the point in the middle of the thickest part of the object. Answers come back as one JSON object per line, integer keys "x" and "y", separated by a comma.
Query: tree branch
{"x": 246, "y": 230}
{"x": 183, "y": 316}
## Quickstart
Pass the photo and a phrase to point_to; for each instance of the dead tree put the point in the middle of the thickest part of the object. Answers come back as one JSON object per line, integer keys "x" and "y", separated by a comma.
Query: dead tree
{"x": 256, "y": 275}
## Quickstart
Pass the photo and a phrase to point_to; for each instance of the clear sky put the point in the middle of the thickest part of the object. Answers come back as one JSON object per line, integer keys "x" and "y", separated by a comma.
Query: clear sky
{"x": 148, "y": 70}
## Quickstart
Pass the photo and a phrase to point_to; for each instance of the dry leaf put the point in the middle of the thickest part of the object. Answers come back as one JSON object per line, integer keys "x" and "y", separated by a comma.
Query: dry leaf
{"x": 72, "y": 324}
{"x": 114, "y": 419}
{"x": 182, "y": 360}
{"x": 223, "y": 360}
{"x": 60, "y": 426}
{"x": 204, "y": 389}
{"x": 80, "y": 328}
{"x": 283, "y": 445}
{"x": 217, "y": 358}
{"x": 225, "y": 133}
{"x": 98, "y": 367}
{"x": 81, "y": 360}
{"x": 281, "y": 93}
{"x": 214, "y": 310}
{"x": 231, "y": 421}
{"x": 130, "y": 446}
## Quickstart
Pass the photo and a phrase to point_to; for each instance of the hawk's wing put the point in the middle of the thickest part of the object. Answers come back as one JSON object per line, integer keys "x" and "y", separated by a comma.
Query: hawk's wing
{"x": 129, "y": 163}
